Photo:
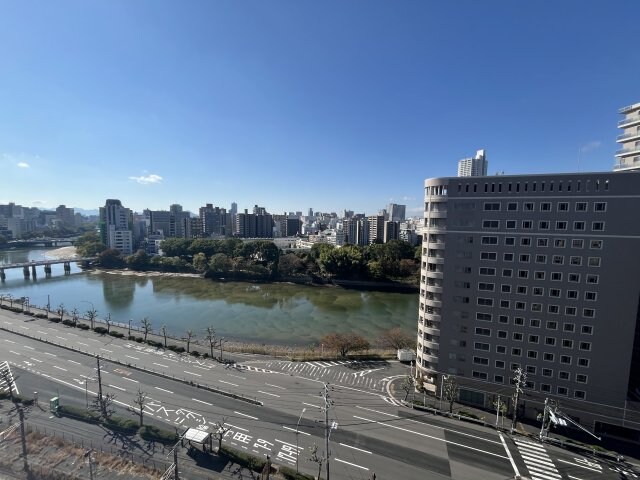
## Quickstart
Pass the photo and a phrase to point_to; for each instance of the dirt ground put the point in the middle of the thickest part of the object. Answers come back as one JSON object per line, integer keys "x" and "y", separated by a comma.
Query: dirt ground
{"x": 53, "y": 458}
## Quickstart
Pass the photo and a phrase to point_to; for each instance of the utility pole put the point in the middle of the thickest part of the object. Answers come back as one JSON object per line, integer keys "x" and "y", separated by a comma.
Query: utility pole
{"x": 103, "y": 410}
{"x": 175, "y": 462}
{"x": 519, "y": 379}
{"x": 327, "y": 427}
{"x": 24, "y": 439}
{"x": 498, "y": 405}
{"x": 544, "y": 432}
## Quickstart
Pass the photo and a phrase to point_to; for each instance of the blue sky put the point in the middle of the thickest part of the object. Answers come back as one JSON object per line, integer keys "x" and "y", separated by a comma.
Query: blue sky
{"x": 297, "y": 104}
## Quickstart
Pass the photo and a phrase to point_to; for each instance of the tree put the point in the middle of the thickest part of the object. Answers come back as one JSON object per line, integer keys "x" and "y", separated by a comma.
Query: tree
{"x": 110, "y": 258}
{"x": 74, "y": 316}
{"x": 7, "y": 378}
{"x": 211, "y": 338}
{"x": 220, "y": 263}
{"x": 104, "y": 405}
{"x": 407, "y": 385}
{"x": 220, "y": 430}
{"x": 190, "y": 336}
{"x": 450, "y": 391}
{"x": 145, "y": 323}
{"x": 175, "y": 247}
{"x": 290, "y": 264}
{"x": 343, "y": 343}
{"x": 317, "y": 459}
{"x": 108, "y": 321}
{"x": 140, "y": 400}
{"x": 89, "y": 244}
{"x": 397, "y": 339}
{"x": 61, "y": 311}
{"x": 163, "y": 332}
{"x": 91, "y": 315}
{"x": 200, "y": 262}
{"x": 342, "y": 262}
{"x": 138, "y": 261}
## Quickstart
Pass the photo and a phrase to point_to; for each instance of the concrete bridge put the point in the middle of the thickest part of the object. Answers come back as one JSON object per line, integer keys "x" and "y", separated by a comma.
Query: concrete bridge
{"x": 42, "y": 242}
{"x": 29, "y": 268}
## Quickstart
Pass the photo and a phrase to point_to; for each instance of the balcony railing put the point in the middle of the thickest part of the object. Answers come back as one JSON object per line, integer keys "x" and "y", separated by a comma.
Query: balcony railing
{"x": 628, "y": 151}
{"x": 629, "y": 121}
{"x": 626, "y": 136}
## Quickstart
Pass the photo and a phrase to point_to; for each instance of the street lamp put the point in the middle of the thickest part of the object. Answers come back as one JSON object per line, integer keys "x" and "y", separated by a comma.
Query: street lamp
{"x": 26, "y": 302}
{"x": 297, "y": 427}
{"x": 130, "y": 320}
{"x": 222, "y": 341}
{"x": 444, "y": 377}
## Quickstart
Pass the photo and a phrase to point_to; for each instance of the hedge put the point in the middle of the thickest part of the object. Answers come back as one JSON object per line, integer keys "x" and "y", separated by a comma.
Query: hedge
{"x": 155, "y": 434}
{"x": 78, "y": 413}
{"x": 83, "y": 326}
{"x": 100, "y": 330}
{"x": 68, "y": 323}
{"x": 290, "y": 474}
{"x": 243, "y": 459}
{"x": 116, "y": 334}
{"x": 125, "y": 425}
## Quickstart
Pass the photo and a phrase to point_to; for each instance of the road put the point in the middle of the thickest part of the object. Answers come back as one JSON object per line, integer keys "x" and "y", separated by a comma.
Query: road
{"x": 373, "y": 434}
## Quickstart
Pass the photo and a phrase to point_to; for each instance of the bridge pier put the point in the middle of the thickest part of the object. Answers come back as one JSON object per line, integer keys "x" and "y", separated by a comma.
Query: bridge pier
{"x": 33, "y": 271}
{"x": 67, "y": 268}
{"x": 47, "y": 271}
{"x": 25, "y": 271}
{"x": 3, "y": 277}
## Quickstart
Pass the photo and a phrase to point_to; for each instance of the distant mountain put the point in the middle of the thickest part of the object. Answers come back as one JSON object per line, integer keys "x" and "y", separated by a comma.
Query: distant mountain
{"x": 86, "y": 213}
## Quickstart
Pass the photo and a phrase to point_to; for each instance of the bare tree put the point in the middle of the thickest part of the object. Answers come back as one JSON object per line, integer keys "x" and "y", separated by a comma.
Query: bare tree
{"x": 190, "y": 336}
{"x": 317, "y": 459}
{"x": 91, "y": 315}
{"x": 163, "y": 332}
{"x": 220, "y": 429}
{"x": 140, "y": 400}
{"x": 74, "y": 316}
{"x": 146, "y": 327}
{"x": 407, "y": 385}
{"x": 450, "y": 393}
{"x": 61, "y": 311}
{"x": 211, "y": 338}
{"x": 104, "y": 405}
{"x": 108, "y": 321}
{"x": 397, "y": 339}
{"x": 343, "y": 343}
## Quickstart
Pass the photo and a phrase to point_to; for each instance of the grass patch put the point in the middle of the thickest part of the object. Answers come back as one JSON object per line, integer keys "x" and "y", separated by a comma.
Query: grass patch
{"x": 243, "y": 459}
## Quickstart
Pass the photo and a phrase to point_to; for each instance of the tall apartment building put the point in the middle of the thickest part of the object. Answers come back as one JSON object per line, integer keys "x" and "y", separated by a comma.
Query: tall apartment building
{"x": 540, "y": 272}
{"x": 66, "y": 216}
{"x": 473, "y": 167}
{"x": 116, "y": 226}
{"x": 376, "y": 228}
{"x": 628, "y": 157}
{"x": 214, "y": 220}
{"x": 252, "y": 225}
{"x": 391, "y": 231}
{"x": 396, "y": 213}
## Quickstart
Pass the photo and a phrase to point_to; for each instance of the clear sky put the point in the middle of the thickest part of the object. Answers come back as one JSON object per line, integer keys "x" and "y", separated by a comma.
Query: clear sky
{"x": 296, "y": 104}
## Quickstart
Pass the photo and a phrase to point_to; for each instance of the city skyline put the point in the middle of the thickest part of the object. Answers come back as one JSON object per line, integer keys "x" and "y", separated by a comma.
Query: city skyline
{"x": 331, "y": 107}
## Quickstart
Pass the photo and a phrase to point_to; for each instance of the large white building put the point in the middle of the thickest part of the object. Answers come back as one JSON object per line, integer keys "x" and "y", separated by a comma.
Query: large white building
{"x": 628, "y": 157}
{"x": 116, "y": 226}
{"x": 473, "y": 167}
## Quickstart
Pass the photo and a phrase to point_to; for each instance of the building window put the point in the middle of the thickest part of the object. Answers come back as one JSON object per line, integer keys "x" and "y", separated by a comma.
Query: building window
{"x": 581, "y": 206}
{"x": 579, "y": 226}
{"x": 508, "y": 257}
{"x": 555, "y": 292}
{"x": 480, "y": 361}
{"x": 536, "y": 307}
{"x": 534, "y": 323}
{"x": 600, "y": 207}
{"x": 505, "y": 288}
{"x": 538, "y": 291}
{"x": 510, "y": 241}
{"x": 486, "y": 332}
{"x": 481, "y": 346}
{"x": 575, "y": 261}
{"x": 588, "y": 312}
{"x": 485, "y": 302}
{"x": 556, "y": 276}
{"x": 507, "y": 272}
{"x": 505, "y": 304}
{"x": 495, "y": 207}
{"x": 595, "y": 244}
{"x": 567, "y": 343}
{"x": 498, "y": 379}
{"x": 521, "y": 290}
{"x": 574, "y": 277}
{"x": 569, "y": 327}
{"x": 586, "y": 346}
{"x": 552, "y": 325}
{"x": 528, "y": 207}
{"x": 545, "y": 207}
{"x": 517, "y": 336}
{"x": 566, "y": 359}
{"x": 523, "y": 273}
{"x": 480, "y": 375}
{"x": 583, "y": 362}
{"x": 594, "y": 261}
{"x": 572, "y": 311}
{"x": 541, "y": 258}
{"x": 548, "y": 357}
{"x": 580, "y": 394}
{"x": 547, "y": 372}
{"x": 597, "y": 226}
{"x": 559, "y": 243}
{"x": 489, "y": 287}
{"x": 563, "y": 391}
{"x": 564, "y": 375}
{"x": 593, "y": 279}
{"x": 533, "y": 338}
{"x": 502, "y": 334}
{"x": 544, "y": 225}
{"x": 577, "y": 243}
{"x": 540, "y": 275}
{"x": 484, "y": 317}
{"x": 503, "y": 319}
{"x": 581, "y": 378}
{"x": 544, "y": 387}
{"x": 525, "y": 242}
{"x": 489, "y": 240}
{"x": 542, "y": 242}
{"x": 551, "y": 341}
{"x": 590, "y": 296}
{"x": 491, "y": 224}
{"x": 518, "y": 321}
{"x": 516, "y": 352}
{"x": 554, "y": 309}
{"x": 488, "y": 256}
{"x": 501, "y": 349}
{"x": 487, "y": 271}
{"x": 557, "y": 260}
{"x": 512, "y": 206}
{"x": 524, "y": 258}
{"x": 521, "y": 306}
{"x": 587, "y": 329}
{"x": 527, "y": 224}
{"x": 563, "y": 207}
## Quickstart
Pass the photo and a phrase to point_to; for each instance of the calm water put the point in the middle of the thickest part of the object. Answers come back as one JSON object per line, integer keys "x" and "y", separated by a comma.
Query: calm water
{"x": 270, "y": 313}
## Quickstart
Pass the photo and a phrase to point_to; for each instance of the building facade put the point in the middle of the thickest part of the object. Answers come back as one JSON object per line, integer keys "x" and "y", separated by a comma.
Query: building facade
{"x": 473, "y": 167}
{"x": 539, "y": 272}
{"x": 116, "y": 226}
{"x": 628, "y": 157}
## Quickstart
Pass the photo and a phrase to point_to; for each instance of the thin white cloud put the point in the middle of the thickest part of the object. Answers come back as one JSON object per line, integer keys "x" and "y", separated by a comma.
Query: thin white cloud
{"x": 147, "y": 179}
{"x": 23, "y": 165}
{"x": 20, "y": 160}
{"x": 589, "y": 146}
{"x": 406, "y": 198}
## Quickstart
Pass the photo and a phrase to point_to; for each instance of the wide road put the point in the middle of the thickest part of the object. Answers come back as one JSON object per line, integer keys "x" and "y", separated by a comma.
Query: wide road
{"x": 371, "y": 435}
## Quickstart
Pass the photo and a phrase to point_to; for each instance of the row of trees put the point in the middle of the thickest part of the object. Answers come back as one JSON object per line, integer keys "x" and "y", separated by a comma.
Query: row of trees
{"x": 262, "y": 259}
{"x": 345, "y": 343}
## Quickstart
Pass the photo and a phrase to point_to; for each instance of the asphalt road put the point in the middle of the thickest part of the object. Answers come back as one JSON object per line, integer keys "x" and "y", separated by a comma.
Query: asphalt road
{"x": 370, "y": 436}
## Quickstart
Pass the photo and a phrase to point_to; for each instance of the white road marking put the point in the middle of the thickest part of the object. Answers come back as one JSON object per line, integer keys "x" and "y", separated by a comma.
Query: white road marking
{"x": 191, "y": 373}
{"x": 62, "y": 338}
{"x": 228, "y": 383}
{"x": 27, "y": 346}
{"x": 162, "y": 389}
{"x": 245, "y": 415}
{"x": 513, "y": 464}
{"x": 129, "y": 356}
{"x": 237, "y": 376}
{"x": 356, "y": 448}
{"x": 60, "y": 368}
{"x": 201, "y": 401}
{"x": 130, "y": 380}
{"x": 274, "y": 386}
{"x": 579, "y": 465}
{"x": 26, "y": 328}
{"x": 43, "y": 333}
{"x": 287, "y": 443}
{"x": 10, "y": 341}
{"x": 430, "y": 436}
{"x": 236, "y": 427}
{"x": 311, "y": 405}
{"x": 80, "y": 343}
{"x": 73, "y": 361}
{"x": 293, "y": 430}
{"x": 573, "y": 478}
{"x": 117, "y": 388}
{"x": 36, "y": 360}
{"x": 201, "y": 368}
{"x": 267, "y": 393}
{"x": 50, "y": 354}
{"x": 15, "y": 353}
{"x": 104, "y": 349}
{"x": 352, "y": 464}
{"x": 376, "y": 411}
{"x": 160, "y": 365}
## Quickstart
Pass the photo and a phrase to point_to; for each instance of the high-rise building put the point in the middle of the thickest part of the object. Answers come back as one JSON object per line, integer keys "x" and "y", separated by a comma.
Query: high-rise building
{"x": 628, "y": 157}
{"x": 65, "y": 216}
{"x": 473, "y": 167}
{"x": 294, "y": 227}
{"x": 252, "y": 225}
{"x": 391, "y": 231}
{"x": 116, "y": 226}
{"x": 376, "y": 228}
{"x": 538, "y": 272}
{"x": 214, "y": 220}
{"x": 396, "y": 213}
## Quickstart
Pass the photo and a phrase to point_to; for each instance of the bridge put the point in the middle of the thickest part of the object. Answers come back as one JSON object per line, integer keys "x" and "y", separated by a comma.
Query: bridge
{"x": 41, "y": 242}
{"x": 46, "y": 263}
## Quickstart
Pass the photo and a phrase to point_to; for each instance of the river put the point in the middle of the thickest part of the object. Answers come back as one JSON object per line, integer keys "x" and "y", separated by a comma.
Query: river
{"x": 276, "y": 313}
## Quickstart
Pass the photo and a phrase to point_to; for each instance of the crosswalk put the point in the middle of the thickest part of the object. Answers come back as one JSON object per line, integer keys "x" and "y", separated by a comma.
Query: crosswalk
{"x": 6, "y": 378}
{"x": 537, "y": 460}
